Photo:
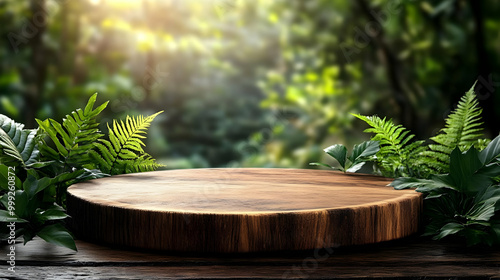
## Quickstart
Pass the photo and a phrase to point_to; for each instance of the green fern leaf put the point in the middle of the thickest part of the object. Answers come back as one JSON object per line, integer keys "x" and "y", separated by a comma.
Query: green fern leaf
{"x": 463, "y": 129}
{"x": 142, "y": 164}
{"x": 123, "y": 152}
{"x": 74, "y": 138}
{"x": 398, "y": 156}
{"x": 17, "y": 145}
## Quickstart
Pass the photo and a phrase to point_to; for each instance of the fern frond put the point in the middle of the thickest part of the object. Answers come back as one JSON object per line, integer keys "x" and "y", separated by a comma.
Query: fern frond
{"x": 17, "y": 145}
{"x": 398, "y": 156}
{"x": 123, "y": 152}
{"x": 142, "y": 164}
{"x": 74, "y": 138}
{"x": 462, "y": 129}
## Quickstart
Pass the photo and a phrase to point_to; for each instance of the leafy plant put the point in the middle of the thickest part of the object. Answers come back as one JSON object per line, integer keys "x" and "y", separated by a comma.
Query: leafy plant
{"x": 459, "y": 174}
{"x": 397, "y": 156}
{"x": 36, "y": 216}
{"x": 17, "y": 145}
{"x": 75, "y": 137}
{"x": 34, "y": 211}
{"x": 49, "y": 159}
{"x": 465, "y": 201}
{"x": 360, "y": 155}
{"x": 123, "y": 153}
{"x": 68, "y": 148}
{"x": 463, "y": 129}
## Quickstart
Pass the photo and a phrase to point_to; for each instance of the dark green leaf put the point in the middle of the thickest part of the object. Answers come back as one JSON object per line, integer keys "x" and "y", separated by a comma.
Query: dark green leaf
{"x": 338, "y": 152}
{"x": 482, "y": 212}
{"x": 356, "y": 167}
{"x": 32, "y": 186}
{"x": 7, "y": 218}
{"x": 422, "y": 185}
{"x": 57, "y": 234}
{"x": 365, "y": 149}
{"x": 55, "y": 212}
{"x": 4, "y": 178}
{"x": 449, "y": 229}
{"x": 491, "y": 152}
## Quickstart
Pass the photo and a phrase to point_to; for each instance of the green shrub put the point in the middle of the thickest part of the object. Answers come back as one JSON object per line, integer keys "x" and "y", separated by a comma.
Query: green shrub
{"x": 459, "y": 173}
{"x": 42, "y": 163}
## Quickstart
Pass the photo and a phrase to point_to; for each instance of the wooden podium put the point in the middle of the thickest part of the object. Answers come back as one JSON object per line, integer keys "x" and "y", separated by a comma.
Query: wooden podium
{"x": 230, "y": 210}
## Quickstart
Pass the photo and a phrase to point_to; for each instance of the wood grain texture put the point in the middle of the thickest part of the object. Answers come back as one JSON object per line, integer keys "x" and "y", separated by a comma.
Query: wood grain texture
{"x": 241, "y": 210}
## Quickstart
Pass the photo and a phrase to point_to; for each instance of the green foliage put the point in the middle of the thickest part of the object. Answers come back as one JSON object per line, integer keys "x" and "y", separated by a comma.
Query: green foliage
{"x": 58, "y": 235}
{"x": 397, "y": 156}
{"x": 68, "y": 147}
{"x": 33, "y": 214}
{"x": 273, "y": 39}
{"x": 75, "y": 137}
{"x": 36, "y": 199}
{"x": 123, "y": 153}
{"x": 360, "y": 155}
{"x": 301, "y": 120}
{"x": 17, "y": 145}
{"x": 466, "y": 201}
{"x": 463, "y": 129}
{"x": 460, "y": 175}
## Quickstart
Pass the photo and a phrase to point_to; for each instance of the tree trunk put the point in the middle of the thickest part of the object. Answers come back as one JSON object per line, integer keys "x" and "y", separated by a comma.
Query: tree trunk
{"x": 484, "y": 89}
{"x": 400, "y": 89}
{"x": 36, "y": 79}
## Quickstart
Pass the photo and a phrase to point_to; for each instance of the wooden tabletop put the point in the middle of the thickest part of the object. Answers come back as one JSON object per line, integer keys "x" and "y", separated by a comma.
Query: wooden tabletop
{"x": 239, "y": 190}
{"x": 242, "y": 210}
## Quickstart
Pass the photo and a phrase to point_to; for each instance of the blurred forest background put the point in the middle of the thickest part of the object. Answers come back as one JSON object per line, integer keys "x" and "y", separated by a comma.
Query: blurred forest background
{"x": 265, "y": 83}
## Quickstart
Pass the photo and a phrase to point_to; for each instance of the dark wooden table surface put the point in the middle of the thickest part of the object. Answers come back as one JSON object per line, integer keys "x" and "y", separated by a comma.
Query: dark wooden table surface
{"x": 410, "y": 258}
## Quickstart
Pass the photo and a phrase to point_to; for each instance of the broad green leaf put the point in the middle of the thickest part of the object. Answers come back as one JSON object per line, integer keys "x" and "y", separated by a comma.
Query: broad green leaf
{"x": 17, "y": 145}
{"x": 491, "y": 170}
{"x": 6, "y": 217}
{"x": 32, "y": 185}
{"x": 356, "y": 167}
{"x": 491, "y": 151}
{"x": 67, "y": 178}
{"x": 489, "y": 195}
{"x": 8, "y": 149}
{"x": 463, "y": 168}
{"x": 421, "y": 185}
{"x": 363, "y": 150}
{"x": 482, "y": 212}
{"x": 4, "y": 178}
{"x": 91, "y": 174}
{"x": 57, "y": 234}
{"x": 55, "y": 212}
{"x": 338, "y": 152}
{"x": 449, "y": 229}
{"x": 40, "y": 164}
{"x": 21, "y": 204}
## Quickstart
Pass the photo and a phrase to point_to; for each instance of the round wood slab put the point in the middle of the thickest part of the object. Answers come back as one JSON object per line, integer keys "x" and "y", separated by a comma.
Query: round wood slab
{"x": 242, "y": 209}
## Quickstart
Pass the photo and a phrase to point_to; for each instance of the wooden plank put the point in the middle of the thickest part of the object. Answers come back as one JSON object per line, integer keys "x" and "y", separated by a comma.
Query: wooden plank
{"x": 408, "y": 251}
{"x": 242, "y": 210}
{"x": 245, "y": 272}
{"x": 410, "y": 258}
